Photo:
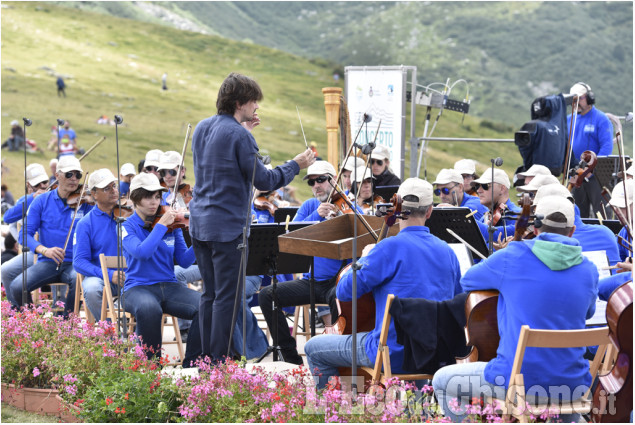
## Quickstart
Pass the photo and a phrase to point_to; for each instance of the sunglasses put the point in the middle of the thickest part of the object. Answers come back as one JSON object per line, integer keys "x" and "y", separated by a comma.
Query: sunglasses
{"x": 320, "y": 179}
{"x": 166, "y": 172}
{"x": 379, "y": 162}
{"x": 152, "y": 168}
{"x": 445, "y": 190}
{"x": 485, "y": 186}
{"x": 70, "y": 174}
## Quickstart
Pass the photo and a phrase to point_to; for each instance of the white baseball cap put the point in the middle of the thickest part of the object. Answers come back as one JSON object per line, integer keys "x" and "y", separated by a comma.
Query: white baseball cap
{"x": 362, "y": 174}
{"x": 101, "y": 178}
{"x": 319, "y": 168}
{"x": 617, "y": 195}
{"x": 127, "y": 169}
{"x": 499, "y": 177}
{"x": 555, "y": 189}
{"x": 15, "y": 122}
{"x": 36, "y": 174}
{"x": 153, "y": 158}
{"x": 552, "y": 204}
{"x": 380, "y": 152}
{"x": 465, "y": 166}
{"x": 352, "y": 162}
{"x": 69, "y": 163}
{"x": 579, "y": 89}
{"x": 537, "y": 182}
{"x": 169, "y": 160}
{"x": 448, "y": 175}
{"x": 147, "y": 181}
{"x": 535, "y": 170}
{"x": 419, "y": 188}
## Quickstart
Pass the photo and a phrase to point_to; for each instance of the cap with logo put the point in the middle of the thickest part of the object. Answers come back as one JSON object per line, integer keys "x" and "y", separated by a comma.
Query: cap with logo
{"x": 101, "y": 178}
{"x": 416, "y": 187}
{"x": 153, "y": 158}
{"x": 319, "y": 168}
{"x": 500, "y": 177}
{"x": 128, "y": 169}
{"x": 535, "y": 170}
{"x": 68, "y": 163}
{"x": 553, "y": 204}
{"x": 147, "y": 181}
{"x": 36, "y": 174}
{"x": 465, "y": 166}
{"x": 538, "y": 181}
{"x": 169, "y": 160}
{"x": 448, "y": 175}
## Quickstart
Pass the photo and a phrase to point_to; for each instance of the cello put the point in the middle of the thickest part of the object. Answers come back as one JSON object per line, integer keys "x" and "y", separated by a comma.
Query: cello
{"x": 613, "y": 397}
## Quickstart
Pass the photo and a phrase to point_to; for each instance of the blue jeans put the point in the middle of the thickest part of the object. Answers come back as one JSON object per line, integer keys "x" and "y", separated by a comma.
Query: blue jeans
{"x": 185, "y": 276}
{"x": 148, "y": 303}
{"x": 93, "y": 287}
{"x": 256, "y": 340}
{"x": 43, "y": 273}
{"x": 464, "y": 381}
{"x": 12, "y": 269}
{"x": 326, "y": 353}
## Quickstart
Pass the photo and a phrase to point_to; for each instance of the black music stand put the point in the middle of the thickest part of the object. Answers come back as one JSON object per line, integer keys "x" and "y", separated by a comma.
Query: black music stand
{"x": 385, "y": 192}
{"x": 454, "y": 218}
{"x": 607, "y": 169}
{"x": 614, "y": 225}
{"x": 280, "y": 215}
{"x": 265, "y": 259}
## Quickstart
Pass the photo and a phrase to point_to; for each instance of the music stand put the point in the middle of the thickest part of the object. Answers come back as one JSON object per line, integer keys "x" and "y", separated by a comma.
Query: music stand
{"x": 614, "y": 225}
{"x": 454, "y": 218}
{"x": 265, "y": 259}
{"x": 280, "y": 215}
{"x": 607, "y": 169}
{"x": 385, "y": 192}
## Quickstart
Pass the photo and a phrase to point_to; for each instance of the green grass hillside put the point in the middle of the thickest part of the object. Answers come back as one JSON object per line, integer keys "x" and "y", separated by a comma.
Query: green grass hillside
{"x": 114, "y": 66}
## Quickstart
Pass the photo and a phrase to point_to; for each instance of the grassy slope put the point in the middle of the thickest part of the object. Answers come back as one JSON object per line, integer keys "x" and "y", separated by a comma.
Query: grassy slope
{"x": 115, "y": 65}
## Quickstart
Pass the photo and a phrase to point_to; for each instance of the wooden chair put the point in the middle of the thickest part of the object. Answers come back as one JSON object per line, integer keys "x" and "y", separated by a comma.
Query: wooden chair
{"x": 383, "y": 357}
{"x": 109, "y": 310}
{"x": 80, "y": 301}
{"x": 46, "y": 293}
{"x": 515, "y": 401}
{"x": 306, "y": 318}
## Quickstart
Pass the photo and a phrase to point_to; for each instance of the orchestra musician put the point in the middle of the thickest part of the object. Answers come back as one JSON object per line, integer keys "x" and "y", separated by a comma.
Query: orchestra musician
{"x": 449, "y": 189}
{"x": 151, "y": 288}
{"x": 152, "y": 161}
{"x": 532, "y": 172}
{"x": 51, "y": 217}
{"x": 380, "y": 164}
{"x": 350, "y": 164}
{"x": 536, "y": 182}
{"x": 413, "y": 264}
{"x": 95, "y": 234}
{"x": 36, "y": 182}
{"x": 619, "y": 201}
{"x": 225, "y": 154}
{"x": 364, "y": 181}
{"x": 467, "y": 169}
{"x": 126, "y": 174}
{"x": 558, "y": 293}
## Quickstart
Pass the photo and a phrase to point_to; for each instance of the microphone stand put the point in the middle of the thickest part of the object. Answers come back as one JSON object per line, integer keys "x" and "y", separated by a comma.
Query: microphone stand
{"x": 120, "y": 220}
{"x": 25, "y": 248}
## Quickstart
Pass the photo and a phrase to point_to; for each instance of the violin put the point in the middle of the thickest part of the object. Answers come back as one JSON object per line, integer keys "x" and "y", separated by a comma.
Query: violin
{"x": 522, "y": 223}
{"x": 499, "y": 212}
{"x": 613, "y": 397}
{"x": 269, "y": 202}
{"x": 588, "y": 161}
{"x": 123, "y": 209}
{"x": 181, "y": 221}
{"x": 79, "y": 197}
{"x": 343, "y": 204}
{"x": 369, "y": 205}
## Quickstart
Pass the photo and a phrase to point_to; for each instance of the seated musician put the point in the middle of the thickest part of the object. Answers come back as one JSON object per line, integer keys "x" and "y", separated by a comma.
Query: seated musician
{"x": 619, "y": 201}
{"x": 545, "y": 283}
{"x": 168, "y": 170}
{"x": 151, "y": 288}
{"x": 536, "y": 182}
{"x": 96, "y": 234}
{"x": 36, "y": 183}
{"x": 380, "y": 164}
{"x": 449, "y": 189}
{"x": 126, "y": 174}
{"x": 413, "y": 264}
{"x": 152, "y": 161}
{"x": 532, "y": 172}
{"x": 363, "y": 179}
{"x": 350, "y": 164}
{"x": 467, "y": 169}
{"x": 51, "y": 217}
{"x": 296, "y": 292}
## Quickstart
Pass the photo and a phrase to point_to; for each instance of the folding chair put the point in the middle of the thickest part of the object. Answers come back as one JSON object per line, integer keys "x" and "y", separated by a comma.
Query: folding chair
{"x": 80, "y": 301}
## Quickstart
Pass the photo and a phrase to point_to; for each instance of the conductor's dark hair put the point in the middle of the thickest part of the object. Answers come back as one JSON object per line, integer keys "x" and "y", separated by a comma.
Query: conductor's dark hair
{"x": 237, "y": 89}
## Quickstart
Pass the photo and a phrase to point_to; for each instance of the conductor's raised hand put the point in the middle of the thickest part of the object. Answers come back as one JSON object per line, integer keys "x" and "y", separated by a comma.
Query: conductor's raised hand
{"x": 305, "y": 158}
{"x": 252, "y": 123}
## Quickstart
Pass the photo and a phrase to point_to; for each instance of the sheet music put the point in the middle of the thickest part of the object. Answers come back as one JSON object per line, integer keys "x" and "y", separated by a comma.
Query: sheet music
{"x": 463, "y": 255}
{"x": 600, "y": 260}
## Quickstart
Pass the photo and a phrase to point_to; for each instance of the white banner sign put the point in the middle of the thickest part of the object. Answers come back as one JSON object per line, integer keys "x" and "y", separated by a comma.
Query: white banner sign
{"x": 378, "y": 92}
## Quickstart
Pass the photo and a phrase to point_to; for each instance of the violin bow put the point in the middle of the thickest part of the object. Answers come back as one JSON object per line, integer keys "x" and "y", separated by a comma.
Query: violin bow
{"x": 79, "y": 203}
{"x": 301, "y": 126}
{"x": 178, "y": 173}
{"x": 620, "y": 148}
{"x": 460, "y": 239}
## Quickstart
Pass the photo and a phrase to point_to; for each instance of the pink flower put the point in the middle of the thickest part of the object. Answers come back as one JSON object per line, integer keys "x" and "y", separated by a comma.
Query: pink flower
{"x": 36, "y": 371}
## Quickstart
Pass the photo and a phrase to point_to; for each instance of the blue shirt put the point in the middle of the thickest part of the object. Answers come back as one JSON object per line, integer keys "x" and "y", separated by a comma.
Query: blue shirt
{"x": 412, "y": 264}
{"x": 533, "y": 294}
{"x": 150, "y": 254}
{"x": 607, "y": 285}
{"x": 474, "y": 203}
{"x": 14, "y": 213}
{"x": 595, "y": 237}
{"x": 224, "y": 154}
{"x": 593, "y": 132}
{"x": 70, "y": 132}
{"x": 124, "y": 188}
{"x": 51, "y": 217}
{"x": 95, "y": 234}
{"x": 262, "y": 216}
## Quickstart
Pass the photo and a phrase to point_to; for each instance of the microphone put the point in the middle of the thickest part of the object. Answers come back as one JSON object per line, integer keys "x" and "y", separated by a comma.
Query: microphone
{"x": 266, "y": 159}
{"x": 368, "y": 118}
{"x": 629, "y": 117}
{"x": 60, "y": 121}
{"x": 27, "y": 122}
{"x": 118, "y": 119}
{"x": 497, "y": 161}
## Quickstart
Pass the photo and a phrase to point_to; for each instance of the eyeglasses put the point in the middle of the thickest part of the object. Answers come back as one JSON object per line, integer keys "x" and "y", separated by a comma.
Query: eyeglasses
{"x": 152, "y": 168}
{"x": 41, "y": 185}
{"x": 70, "y": 174}
{"x": 109, "y": 189}
{"x": 165, "y": 172}
{"x": 379, "y": 162}
{"x": 445, "y": 190}
{"x": 320, "y": 179}
{"x": 485, "y": 186}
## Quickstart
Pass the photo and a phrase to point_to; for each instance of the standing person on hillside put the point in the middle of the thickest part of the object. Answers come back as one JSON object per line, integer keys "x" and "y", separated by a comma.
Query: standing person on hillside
{"x": 593, "y": 132}
{"x": 61, "y": 85}
{"x": 225, "y": 157}
{"x": 164, "y": 81}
